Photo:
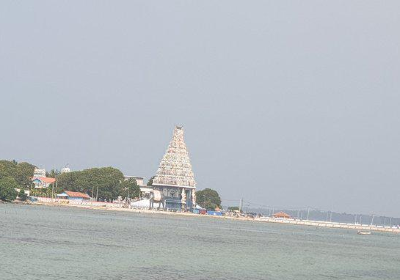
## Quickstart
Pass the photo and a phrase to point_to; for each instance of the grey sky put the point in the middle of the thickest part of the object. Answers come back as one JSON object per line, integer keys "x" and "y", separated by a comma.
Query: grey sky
{"x": 284, "y": 103}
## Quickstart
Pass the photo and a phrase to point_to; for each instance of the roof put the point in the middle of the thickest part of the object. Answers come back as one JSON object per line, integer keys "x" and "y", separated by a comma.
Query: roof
{"x": 135, "y": 177}
{"x": 48, "y": 180}
{"x": 77, "y": 194}
{"x": 281, "y": 215}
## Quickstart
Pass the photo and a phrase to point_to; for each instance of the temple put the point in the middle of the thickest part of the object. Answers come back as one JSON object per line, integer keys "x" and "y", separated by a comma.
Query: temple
{"x": 174, "y": 178}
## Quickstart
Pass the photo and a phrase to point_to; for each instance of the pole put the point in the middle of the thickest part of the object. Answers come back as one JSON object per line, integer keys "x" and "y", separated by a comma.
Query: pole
{"x": 241, "y": 205}
{"x": 308, "y": 213}
{"x": 52, "y": 192}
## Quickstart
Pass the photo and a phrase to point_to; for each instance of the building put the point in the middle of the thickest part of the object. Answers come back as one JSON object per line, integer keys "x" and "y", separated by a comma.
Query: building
{"x": 75, "y": 196}
{"x": 42, "y": 182}
{"x": 139, "y": 180}
{"x": 65, "y": 169}
{"x": 174, "y": 179}
{"x": 281, "y": 215}
{"x": 39, "y": 172}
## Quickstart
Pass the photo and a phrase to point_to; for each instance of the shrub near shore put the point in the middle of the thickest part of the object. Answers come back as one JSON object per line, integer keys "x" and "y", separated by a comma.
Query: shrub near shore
{"x": 7, "y": 189}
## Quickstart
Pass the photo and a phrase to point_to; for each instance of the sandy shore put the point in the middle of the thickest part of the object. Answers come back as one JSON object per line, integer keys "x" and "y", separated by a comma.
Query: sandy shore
{"x": 322, "y": 224}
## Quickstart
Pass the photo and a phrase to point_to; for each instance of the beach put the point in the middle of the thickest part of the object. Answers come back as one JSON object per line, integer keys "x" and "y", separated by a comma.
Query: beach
{"x": 291, "y": 222}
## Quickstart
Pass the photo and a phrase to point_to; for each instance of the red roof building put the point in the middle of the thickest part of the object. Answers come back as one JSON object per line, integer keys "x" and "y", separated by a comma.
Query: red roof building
{"x": 281, "y": 215}
{"x": 76, "y": 195}
{"x": 42, "y": 182}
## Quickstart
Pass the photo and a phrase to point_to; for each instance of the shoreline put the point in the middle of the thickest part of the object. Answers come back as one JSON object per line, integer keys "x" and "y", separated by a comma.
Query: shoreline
{"x": 292, "y": 222}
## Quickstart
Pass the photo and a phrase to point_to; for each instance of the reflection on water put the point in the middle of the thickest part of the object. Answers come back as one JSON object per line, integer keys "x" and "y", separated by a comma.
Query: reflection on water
{"x": 38, "y": 242}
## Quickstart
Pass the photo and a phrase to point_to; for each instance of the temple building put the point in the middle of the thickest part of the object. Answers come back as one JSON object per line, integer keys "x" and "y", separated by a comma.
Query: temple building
{"x": 40, "y": 180}
{"x": 174, "y": 179}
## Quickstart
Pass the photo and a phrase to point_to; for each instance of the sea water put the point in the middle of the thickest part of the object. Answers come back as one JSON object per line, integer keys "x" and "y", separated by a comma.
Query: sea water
{"x": 38, "y": 242}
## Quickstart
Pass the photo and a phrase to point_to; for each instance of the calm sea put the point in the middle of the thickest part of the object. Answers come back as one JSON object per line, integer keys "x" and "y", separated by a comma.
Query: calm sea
{"x": 38, "y": 242}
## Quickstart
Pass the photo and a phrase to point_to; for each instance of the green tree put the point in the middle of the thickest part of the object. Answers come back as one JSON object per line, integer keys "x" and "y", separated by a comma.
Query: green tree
{"x": 208, "y": 199}
{"x": 150, "y": 182}
{"x": 130, "y": 188}
{"x": 22, "y": 195}
{"x": 7, "y": 169}
{"x": 104, "y": 183}
{"x": 53, "y": 173}
{"x": 21, "y": 172}
{"x": 7, "y": 189}
{"x": 24, "y": 173}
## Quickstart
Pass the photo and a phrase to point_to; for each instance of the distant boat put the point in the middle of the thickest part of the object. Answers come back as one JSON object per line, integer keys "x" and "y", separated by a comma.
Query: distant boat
{"x": 363, "y": 232}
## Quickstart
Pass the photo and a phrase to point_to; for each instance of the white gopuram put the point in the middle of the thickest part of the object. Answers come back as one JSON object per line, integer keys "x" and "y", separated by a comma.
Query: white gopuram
{"x": 174, "y": 177}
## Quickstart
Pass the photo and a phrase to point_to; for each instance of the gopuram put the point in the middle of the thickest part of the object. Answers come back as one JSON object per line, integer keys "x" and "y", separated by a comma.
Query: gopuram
{"x": 174, "y": 179}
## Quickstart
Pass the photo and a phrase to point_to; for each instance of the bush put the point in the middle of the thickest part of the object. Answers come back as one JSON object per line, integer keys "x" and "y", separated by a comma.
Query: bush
{"x": 208, "y": 199}
{"x": 22, "y": 195}
{"x": 7, "y": 189}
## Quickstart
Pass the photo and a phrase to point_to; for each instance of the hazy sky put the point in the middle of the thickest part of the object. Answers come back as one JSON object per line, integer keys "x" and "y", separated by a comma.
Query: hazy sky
{"x": 284, "y": 103}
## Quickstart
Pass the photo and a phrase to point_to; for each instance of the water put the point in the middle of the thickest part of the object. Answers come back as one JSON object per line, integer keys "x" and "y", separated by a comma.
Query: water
{"x": 38, "y": 242}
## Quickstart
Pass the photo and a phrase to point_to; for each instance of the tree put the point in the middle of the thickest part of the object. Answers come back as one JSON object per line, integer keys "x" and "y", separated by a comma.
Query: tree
{"x": 22, "y": 195}
{"x": 150, "y": 182}
{"x": 24, "y": 174}
{"x": 103, "y": 183}
{"x": 130, "y": 188}
{"x": 7, "y": 189}
{"x": 233, "y": 208}
{"x": 7, "y": 169}
{"x": 21, "y": 172}
{"x": 208, "y": 199}
{"x": 53, "y": 173}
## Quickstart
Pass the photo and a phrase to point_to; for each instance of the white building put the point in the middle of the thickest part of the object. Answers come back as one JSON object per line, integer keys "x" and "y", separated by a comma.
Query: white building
{"x": 139, "y": 180}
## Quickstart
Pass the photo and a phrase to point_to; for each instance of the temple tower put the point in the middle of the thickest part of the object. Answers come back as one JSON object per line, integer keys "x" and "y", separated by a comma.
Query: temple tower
{"x": 174, "y": 177}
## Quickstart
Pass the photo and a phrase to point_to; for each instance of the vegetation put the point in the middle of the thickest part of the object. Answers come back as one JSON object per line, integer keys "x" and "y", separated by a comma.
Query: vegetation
{"x": 130, "y": 188}
{"x": 233, "y": 208}
{"x": 14, "y": 175}
{"x": 45, "y": 192}
{"x": 7, "y": 189}
{"x": 22, "y": 195}
{"x": 53, "y": 173}
{"x": 150, "y": 182}
{"x": 20, "y": 172}
{"x": 105, "y": 183}
{"x": 208, "y": 199}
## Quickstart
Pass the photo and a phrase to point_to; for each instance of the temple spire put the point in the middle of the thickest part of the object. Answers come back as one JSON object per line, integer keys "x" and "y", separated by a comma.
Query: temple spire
{"x": 175, "y": 168}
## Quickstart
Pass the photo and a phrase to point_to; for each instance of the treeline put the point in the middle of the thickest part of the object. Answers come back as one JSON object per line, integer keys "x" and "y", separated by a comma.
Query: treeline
{"x": 105, "y": 183}
{"x": 20, "y": 172}
{"x": 14, "y": 175}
